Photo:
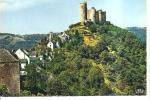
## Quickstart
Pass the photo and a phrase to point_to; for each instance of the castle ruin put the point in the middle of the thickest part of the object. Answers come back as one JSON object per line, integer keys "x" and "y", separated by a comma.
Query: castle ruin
{"x": 91, "y": 14}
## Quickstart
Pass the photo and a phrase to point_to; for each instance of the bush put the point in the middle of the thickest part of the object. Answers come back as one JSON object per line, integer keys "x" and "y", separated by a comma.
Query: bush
{"x": 3, "y": 90}
{"x": 25, "y": 93}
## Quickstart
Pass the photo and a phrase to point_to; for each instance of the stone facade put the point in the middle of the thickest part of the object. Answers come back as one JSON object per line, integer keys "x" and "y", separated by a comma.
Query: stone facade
{"x": 9, "y": 72}
{"x": 91, "y": 14}
{"x": 83, "y": 12}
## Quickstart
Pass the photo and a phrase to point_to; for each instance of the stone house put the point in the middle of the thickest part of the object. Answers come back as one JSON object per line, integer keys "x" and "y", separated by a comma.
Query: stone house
{"x": 9, "y": 72}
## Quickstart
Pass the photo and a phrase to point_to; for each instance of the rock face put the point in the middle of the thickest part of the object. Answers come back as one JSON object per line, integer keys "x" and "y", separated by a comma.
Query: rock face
{"x": 9, "y": 72}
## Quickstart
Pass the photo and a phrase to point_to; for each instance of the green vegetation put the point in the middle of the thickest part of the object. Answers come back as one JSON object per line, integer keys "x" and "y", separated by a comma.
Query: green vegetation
{"x": 140, "y": 32}
{"x": 11, "y": 41}
{"x": 3, "y": 90}
{"x": 113, "y": 65}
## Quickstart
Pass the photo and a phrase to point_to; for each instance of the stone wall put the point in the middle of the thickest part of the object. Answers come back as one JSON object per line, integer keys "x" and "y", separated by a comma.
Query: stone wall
{"x": 9, "y": 73}
{"x": 93, "y": 14}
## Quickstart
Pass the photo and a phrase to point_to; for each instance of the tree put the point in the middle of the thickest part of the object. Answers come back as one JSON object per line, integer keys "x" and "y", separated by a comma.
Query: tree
{"x": 35, "y": 80}
{"x": 57, "y": 88}
{"x": 3, "y": 90}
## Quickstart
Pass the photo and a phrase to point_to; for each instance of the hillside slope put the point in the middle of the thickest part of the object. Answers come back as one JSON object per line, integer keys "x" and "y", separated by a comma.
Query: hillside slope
{"x": 98, "y": 59}
{"x": 12, "y": 41}
{"x": 140, "y": 32}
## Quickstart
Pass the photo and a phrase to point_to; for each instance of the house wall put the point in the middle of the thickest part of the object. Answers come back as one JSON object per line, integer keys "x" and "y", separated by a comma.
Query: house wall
{"x": 10, "y": 76}
{"x": 50, "y": 45}
{"x": 21, "y": 55}
{"x": 23, "y": 66}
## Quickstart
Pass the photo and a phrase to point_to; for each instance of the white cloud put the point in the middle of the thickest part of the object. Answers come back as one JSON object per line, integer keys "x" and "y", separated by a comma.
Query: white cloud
{"x": 13, "y": 5}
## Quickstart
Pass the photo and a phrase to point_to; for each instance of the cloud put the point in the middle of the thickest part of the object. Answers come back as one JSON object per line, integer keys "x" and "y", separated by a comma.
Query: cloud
{"x": 13, "y": 5}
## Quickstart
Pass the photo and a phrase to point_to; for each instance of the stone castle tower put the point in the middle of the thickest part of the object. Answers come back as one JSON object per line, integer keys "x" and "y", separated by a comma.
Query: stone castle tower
{"x": 91, "y": 14}
{"x": 83, "y": 12}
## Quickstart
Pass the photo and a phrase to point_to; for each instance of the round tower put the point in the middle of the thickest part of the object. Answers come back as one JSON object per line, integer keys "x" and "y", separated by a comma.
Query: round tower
{"x": 100, "y": 15}
{"x": 93, "y": 14}
{"x": 83, "y": 12}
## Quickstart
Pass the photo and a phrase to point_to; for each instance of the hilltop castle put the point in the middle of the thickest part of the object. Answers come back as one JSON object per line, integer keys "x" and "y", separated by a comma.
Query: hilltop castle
{"x": 91, "y": 14}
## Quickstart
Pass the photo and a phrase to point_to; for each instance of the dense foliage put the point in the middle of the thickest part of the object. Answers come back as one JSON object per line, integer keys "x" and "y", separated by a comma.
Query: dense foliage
{"x": 3, "y": 90}
{"x": 98, "y": 59}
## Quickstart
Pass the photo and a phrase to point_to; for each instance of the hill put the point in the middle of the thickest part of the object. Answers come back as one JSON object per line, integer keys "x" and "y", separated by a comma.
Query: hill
{"x": 98, "y": 59}
{"x": 12, "y": 41}
{"x": 140, "y": 32}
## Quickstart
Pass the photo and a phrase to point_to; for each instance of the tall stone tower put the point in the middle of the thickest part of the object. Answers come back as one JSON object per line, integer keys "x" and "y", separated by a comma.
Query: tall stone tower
{"x": 93, "y": 14}
{"x": 83, "y": 12}
{"x": 102, "y": 16}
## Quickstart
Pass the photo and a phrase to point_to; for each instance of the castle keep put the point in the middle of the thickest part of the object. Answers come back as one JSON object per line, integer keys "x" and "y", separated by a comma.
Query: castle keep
{"x": 91, "y": 14}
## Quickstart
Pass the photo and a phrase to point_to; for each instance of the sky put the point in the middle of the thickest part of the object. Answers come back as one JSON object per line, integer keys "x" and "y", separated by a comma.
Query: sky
{"x": 43, "y": 16}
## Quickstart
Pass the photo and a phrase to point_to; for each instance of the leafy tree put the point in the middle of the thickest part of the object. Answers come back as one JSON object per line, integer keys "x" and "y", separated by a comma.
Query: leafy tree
{"x": 3, "y": 90}
{"x": 35, "y": 81}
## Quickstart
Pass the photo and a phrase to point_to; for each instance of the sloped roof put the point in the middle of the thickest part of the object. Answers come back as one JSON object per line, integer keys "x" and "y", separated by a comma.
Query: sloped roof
{"x": 6, "y": 56}
{"x": 24, "y": 51}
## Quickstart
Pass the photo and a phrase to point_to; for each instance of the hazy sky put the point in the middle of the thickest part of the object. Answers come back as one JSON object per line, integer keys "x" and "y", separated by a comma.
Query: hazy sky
{"x": 42, "y": 16}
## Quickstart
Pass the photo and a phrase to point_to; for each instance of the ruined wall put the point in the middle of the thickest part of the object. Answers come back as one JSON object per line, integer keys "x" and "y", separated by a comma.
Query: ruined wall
{"x": 83, "y": 12}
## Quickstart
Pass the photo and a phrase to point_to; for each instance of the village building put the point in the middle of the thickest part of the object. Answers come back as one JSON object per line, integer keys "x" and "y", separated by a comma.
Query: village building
{"x": 23, "y": 54}
{"x": 50, "y": 43}
{"x": 9, "y": 72}
{"x": 64, "y": 37}
{"x": 24, "y": 59}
